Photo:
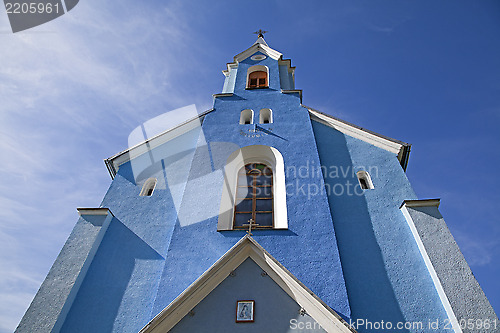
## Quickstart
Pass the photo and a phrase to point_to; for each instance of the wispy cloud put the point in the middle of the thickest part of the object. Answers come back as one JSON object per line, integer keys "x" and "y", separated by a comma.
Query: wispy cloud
{"x": 99, "y": 70}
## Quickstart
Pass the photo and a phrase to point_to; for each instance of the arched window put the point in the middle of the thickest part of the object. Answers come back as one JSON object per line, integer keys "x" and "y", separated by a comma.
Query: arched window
{"x": 254, "y": 196}
{"x": 365, "y": 180}
{"x": 246, "y": 117}
{"x": 268, "y": 175}
{"x": 257, "y": 80}
{"x": 265, "y": 116}
{"x": 257, "y": 77}
{"x": 148, "y": 187}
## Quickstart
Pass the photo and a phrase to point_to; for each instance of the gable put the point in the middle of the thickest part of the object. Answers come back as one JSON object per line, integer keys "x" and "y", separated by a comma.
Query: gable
{"x": 246, "y": 248}
{"x": 274, "y": 310}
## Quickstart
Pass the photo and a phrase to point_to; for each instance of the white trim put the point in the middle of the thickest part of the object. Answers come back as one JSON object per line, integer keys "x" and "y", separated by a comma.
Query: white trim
{"x": 357, "y": 133}
{"x": 435, "y": 279}
{"x": 114, "y": 162}
{"x": 421, "y": 203}
{"x": 246, "y": 247}
{"x": 239, "y": 158}
{"x": 264, "y": 49}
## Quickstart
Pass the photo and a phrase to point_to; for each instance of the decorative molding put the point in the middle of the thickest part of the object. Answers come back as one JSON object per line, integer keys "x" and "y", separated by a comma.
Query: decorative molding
{"x": 247, "y": 247}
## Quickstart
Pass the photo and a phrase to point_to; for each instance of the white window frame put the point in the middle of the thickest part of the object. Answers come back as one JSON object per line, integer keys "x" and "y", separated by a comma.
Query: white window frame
{"x": 362, "y": 174}
{"x": 238, "y": 159}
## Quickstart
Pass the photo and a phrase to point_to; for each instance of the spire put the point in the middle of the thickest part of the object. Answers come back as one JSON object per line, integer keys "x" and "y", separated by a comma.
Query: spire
{"x": 260, "y": 39}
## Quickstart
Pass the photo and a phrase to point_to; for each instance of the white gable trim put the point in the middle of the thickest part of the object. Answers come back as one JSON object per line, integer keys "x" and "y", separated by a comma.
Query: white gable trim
{"x": 114, "y": 162}
{"x": 247, "y": 247}
{"x": 401, "y": 149}
{"x": 257, "y": 47}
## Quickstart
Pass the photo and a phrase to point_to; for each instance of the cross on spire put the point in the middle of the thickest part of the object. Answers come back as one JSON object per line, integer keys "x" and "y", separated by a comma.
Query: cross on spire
{"x": 251, "y": 223}
{"x": 260, "y": 33}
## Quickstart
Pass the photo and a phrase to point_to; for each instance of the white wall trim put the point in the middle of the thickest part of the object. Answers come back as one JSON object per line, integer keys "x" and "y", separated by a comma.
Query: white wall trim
{"x": 430, "y": 268}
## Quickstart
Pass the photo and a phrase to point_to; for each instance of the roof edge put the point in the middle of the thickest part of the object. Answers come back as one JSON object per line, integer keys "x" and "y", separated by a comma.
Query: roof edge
{"x": 112, "y": 163}
{"x": 245, "y": 248}
{"x": 402, "y": 149}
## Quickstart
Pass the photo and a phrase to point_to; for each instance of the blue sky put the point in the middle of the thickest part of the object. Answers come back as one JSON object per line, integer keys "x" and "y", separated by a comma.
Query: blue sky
{"x": 425, "y": 72}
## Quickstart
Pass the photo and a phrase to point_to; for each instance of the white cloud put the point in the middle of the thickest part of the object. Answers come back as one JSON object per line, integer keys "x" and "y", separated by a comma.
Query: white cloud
{"x": 101, "y": 69}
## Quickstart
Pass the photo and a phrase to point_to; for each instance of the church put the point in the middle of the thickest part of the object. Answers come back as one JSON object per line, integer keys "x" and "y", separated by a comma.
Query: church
{"x": 260, "y": 215}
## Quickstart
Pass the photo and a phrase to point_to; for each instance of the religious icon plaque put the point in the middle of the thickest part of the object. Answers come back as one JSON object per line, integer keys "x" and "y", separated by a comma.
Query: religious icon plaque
{"x": 245, "y": 311}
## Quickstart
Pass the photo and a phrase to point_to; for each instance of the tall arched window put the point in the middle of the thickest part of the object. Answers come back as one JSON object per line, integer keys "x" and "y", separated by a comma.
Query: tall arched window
{"x": 257, "y": 77}
{"x": 265, "y": 158}
{"x": 254, "y": 196}
{"x": 265, "y": 116}
{"x": 148, "y": 187}
{"x": 365, "y": 180}
{"x": 246, "y": 117}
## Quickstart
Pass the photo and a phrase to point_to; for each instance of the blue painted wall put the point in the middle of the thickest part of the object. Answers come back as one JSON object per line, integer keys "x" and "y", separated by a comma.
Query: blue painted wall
{"x": 385, "y": 275}
{"x": 119, "y": 289}
{"x": 354, "y": 251}
{"x": 308, "y": 249}
{"x": 275, "y": 311}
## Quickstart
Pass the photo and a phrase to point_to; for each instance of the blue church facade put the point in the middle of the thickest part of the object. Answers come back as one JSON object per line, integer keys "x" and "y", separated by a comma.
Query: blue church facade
{"x": 331, "y": 239}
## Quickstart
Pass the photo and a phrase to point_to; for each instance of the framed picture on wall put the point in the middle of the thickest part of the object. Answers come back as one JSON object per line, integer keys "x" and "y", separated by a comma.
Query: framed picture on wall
{"x": 245, "y": 311}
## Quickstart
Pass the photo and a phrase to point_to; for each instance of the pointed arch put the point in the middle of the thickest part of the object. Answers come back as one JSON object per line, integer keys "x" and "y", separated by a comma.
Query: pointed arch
{"x": 271, "y": 158}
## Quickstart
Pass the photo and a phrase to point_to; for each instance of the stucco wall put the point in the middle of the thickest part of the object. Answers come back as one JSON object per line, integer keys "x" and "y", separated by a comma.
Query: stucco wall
{"x": 308, "y": 248}
{"x": 385, "y": 275}
{"x": 118, "y": 292}
{"x": 468, "y": 301}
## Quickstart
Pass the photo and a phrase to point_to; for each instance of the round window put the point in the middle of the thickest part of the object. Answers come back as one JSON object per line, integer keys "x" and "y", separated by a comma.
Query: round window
{"x": 258, "y": 57}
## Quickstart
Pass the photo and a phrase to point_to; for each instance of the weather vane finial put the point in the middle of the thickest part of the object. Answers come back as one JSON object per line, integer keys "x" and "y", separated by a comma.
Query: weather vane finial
{"x": 260, "y": 33}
